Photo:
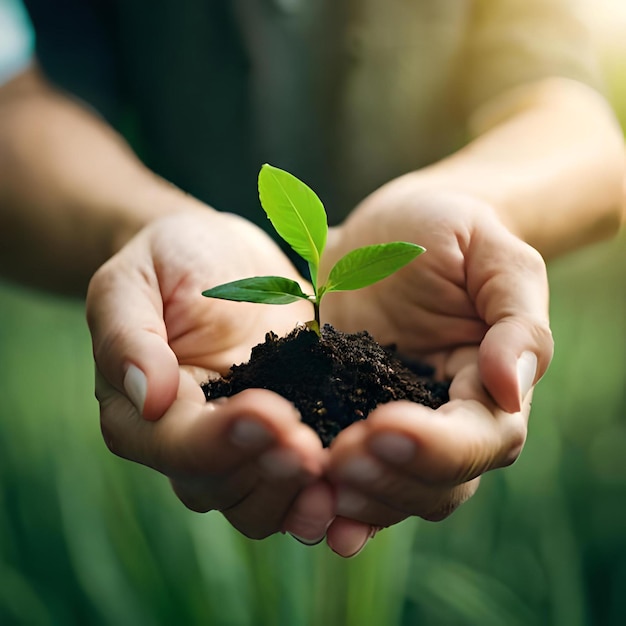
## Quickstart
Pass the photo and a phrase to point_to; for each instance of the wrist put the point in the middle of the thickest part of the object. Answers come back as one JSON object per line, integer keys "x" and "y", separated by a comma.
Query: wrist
{"x": 154, "y": 198}
{"x": 456, "y": 176}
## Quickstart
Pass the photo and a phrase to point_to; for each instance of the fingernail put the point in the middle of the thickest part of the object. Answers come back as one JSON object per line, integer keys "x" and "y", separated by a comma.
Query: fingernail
{"x": 280, "y": 463}
{"x": 309, "y": 542}
{"x": 360, "y": 469}
{"x": 249, "y": 434}
{"x": 136, "y": 386}
{"x": 393, "y": 448}
{"x": 526, "y": 372}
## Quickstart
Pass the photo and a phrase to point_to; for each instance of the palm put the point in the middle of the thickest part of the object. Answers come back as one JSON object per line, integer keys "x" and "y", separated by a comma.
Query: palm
{"x": 428, "y": 306}
{"x": 204, "y": 332}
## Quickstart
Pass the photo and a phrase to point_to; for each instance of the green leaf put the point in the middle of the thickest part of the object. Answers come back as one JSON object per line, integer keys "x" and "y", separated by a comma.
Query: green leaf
{"x": 366, "y": 266}
{"x": 296, "y": 213}
{"x": 260, "y": 289}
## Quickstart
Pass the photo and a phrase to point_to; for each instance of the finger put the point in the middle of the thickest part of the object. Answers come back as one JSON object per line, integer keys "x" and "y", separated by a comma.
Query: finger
{"x": 278, "y": 476}
{"x": 125, "y": 317}
{"x": 311, "y": 513}
{"x": 347, "y": 537}
{"x": 411, "y": 460}
{"x": 459, "y": 441}
{"x": 379, "y": 493}
{"x": 508, "y": 281}
{"x": 391, "y": 502}
{"x": 248, "y": 456}
{"x": 196, "y": 438}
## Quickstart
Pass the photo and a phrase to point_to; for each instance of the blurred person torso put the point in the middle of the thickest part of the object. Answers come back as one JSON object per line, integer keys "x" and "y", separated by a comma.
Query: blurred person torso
{"x": 345, "y": 94}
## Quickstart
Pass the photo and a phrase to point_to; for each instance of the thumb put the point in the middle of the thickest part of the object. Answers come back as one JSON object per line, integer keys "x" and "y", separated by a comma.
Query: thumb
{"x": 512, "y": 297}
{"x": 125, "y": 318}
{"x": 512, "y": 357}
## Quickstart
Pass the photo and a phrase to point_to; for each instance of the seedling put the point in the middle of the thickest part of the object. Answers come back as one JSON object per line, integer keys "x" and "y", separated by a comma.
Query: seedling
{"x": 298, "y": 216}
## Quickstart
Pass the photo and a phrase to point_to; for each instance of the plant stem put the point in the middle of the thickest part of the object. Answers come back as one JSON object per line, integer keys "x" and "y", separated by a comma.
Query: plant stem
{"x": 314, "y": 324}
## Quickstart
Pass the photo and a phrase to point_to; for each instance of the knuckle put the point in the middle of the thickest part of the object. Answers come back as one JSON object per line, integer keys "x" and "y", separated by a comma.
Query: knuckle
{"x": 252, "y": 527}
{"x": 109, "y": 439}
{"x": 442, "y": 513}
{"x": 257, "y": 533}
{"x": 544, "y": 338}
{"x": 534, "y": 261}
{"x": 100, "y": 283}
{"x": 515, "y": 443}
{"x": 195, "y": 505}
{"x": 193, "y": 499}
{"x": 114, "y": 414}
{"x": 451, "y": 501}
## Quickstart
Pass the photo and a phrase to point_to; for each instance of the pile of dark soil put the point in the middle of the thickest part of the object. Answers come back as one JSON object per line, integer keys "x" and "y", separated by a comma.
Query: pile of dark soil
{"x": 334, "y": 380}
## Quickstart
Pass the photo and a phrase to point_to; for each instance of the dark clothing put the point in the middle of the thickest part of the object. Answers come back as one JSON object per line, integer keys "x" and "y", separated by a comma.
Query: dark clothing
{"x": 344, "y": 94}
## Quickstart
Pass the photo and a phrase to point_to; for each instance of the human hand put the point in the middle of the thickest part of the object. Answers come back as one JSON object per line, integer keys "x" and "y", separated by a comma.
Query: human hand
{"x": 155, "y": 338}
{"x": 476, "y": 307}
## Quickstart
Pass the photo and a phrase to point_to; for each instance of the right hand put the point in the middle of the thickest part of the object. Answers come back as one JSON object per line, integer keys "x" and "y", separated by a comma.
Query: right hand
{"x": 475, "y": 307}
{"x": 155, "y": 338}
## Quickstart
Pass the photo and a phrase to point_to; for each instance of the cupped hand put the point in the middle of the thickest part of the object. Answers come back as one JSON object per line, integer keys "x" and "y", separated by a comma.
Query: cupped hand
{"x": 475, "y": 306}
{"x": 155, "y": 338}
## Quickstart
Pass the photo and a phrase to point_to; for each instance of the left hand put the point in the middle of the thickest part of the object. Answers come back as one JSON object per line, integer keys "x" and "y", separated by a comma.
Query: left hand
{"x": 156, "y": 339}
{"x": 475, "y": 305}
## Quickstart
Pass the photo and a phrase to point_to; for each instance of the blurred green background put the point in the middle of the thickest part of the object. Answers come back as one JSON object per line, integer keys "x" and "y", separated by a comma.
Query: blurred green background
{"x": 86, "y": 538}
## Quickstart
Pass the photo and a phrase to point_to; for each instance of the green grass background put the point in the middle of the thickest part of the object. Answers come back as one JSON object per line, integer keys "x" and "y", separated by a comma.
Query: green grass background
{"x": 89, "y": 539}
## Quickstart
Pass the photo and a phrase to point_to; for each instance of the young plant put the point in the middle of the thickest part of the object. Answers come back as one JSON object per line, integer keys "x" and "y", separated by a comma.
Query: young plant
{"x": 298, "y": 216}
